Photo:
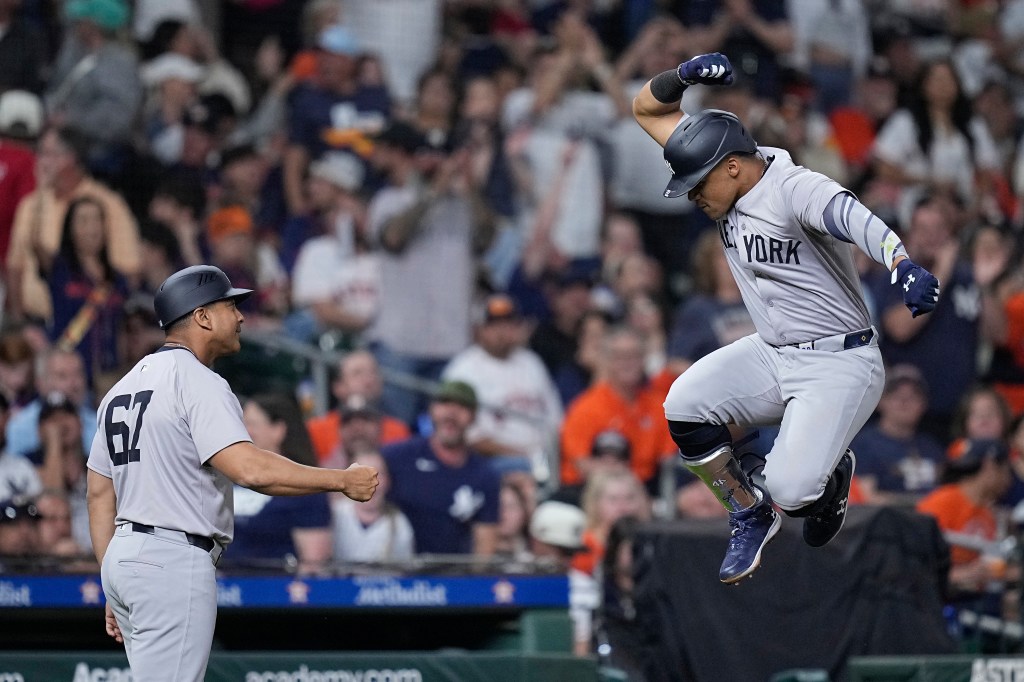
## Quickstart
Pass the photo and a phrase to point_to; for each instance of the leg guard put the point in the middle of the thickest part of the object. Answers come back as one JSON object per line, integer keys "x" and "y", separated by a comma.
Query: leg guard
{"x": 707, "y": 452}
{"x": 721, "y": 472}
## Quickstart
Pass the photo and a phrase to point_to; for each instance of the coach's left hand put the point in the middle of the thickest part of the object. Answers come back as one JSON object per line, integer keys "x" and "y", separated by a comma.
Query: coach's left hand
{"x": 920, "y": 287}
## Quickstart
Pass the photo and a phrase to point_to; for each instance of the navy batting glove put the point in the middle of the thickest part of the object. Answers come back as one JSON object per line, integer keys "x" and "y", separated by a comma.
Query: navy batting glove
{"x": 920, "y": 288}
{"x": 707, "y": 69}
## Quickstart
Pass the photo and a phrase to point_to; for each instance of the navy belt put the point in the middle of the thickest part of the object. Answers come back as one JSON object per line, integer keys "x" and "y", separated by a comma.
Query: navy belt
{"x": 858, "y": 339}
{"x": 204, "y": 543}
{"x": 838, "y": 342}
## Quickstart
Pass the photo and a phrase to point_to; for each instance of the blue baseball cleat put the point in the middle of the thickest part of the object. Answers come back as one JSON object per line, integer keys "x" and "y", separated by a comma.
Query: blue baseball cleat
{"x": 752, "y": 529}
{"x": 820, "y": 528}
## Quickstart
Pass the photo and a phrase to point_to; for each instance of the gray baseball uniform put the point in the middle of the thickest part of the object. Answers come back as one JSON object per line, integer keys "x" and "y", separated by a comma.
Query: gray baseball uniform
{"x": 813, "y": 364}
{"x": 158, "y": 427}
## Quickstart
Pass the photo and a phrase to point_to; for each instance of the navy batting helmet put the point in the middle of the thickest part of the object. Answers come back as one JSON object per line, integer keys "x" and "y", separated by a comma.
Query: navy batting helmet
{"x": 192, "y": 288}
{"x": 699, "y": 143}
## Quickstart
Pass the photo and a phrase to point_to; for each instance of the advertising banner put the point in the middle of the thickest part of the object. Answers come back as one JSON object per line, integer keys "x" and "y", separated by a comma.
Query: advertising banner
{"x": 313, "y": 667}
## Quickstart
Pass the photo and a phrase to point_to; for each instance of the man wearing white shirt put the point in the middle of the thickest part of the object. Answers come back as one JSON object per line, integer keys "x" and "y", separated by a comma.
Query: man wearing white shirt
{"x": 520, "y": 411}
{"x": 334, "y": 280}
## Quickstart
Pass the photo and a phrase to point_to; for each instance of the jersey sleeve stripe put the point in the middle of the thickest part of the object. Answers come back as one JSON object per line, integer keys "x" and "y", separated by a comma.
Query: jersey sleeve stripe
{"x": 833, "y": 210}
{"x": 847, "y": 210}
{"x": 864, "y": 230}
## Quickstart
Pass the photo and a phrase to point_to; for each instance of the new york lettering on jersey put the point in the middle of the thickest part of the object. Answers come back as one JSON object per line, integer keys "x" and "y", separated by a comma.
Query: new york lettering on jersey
{"x": 761, "y": 249}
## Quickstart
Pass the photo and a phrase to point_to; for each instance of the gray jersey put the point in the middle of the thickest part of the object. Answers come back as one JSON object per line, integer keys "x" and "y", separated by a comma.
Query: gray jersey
{"x": 157, "y": 429}
{"x": 794, "y": 267}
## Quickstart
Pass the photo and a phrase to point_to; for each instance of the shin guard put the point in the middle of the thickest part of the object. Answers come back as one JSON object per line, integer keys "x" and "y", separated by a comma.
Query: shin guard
{"x": 721, "y": 472}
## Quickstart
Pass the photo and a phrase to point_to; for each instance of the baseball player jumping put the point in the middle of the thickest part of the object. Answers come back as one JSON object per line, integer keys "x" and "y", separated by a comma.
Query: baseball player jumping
{"x": 169, "y": 444}
{"x": 813, "y": 365}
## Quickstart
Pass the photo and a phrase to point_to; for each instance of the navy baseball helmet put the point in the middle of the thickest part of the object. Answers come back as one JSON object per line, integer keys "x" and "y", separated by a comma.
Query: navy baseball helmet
{"x": 699, "y": 143}
{"x": 192, "y": 288}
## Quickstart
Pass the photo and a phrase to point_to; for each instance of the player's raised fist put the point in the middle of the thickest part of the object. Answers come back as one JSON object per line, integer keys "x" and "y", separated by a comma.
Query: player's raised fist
{"x": 920, "y": 287}
{"x": 706, "y": 69}
{"x": 360, "y": 482}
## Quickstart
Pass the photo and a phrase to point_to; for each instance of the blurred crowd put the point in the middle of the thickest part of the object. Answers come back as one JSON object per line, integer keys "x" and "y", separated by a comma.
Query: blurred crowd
{"x": 455, "y": 191}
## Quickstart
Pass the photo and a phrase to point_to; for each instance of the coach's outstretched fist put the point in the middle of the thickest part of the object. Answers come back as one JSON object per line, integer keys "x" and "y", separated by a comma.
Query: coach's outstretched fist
{"x": 360, "y": 482}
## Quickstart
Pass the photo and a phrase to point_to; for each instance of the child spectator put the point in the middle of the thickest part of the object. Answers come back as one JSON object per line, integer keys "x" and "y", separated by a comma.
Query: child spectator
{"x": 374, "y": 531}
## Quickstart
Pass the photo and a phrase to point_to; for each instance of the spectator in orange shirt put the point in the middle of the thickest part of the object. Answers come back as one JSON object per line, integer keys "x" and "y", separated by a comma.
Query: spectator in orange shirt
{"x": 623, "y": 400}
{"x": 976, "y": 475}
{"x": 358, "y": 374}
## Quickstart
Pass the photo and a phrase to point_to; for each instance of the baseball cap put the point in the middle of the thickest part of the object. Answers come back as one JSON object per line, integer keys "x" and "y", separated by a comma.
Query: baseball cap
{"x": 573, "y": 275}
{"x": 498, "y": 307}
{"x": 21, "y": 114}
{"x": 14, "y": 510}
{"x": 340, "y": 169}
{"x": 402, "y": 136}
{"x": 358, "y": 406}
{"x": 337, "y": 39}
{"x": 55, "y": 402}
{"x": 559, "y": 524}
{"x": 228, "y": 221}
{"x": 610, "y": 442}
{"x": 107, "y": 14}
{"x": 904, "y": 374}
{"x": 458, "y": 392}
{"x": 171, "y": 65}
{"x": 965, "y": 454}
